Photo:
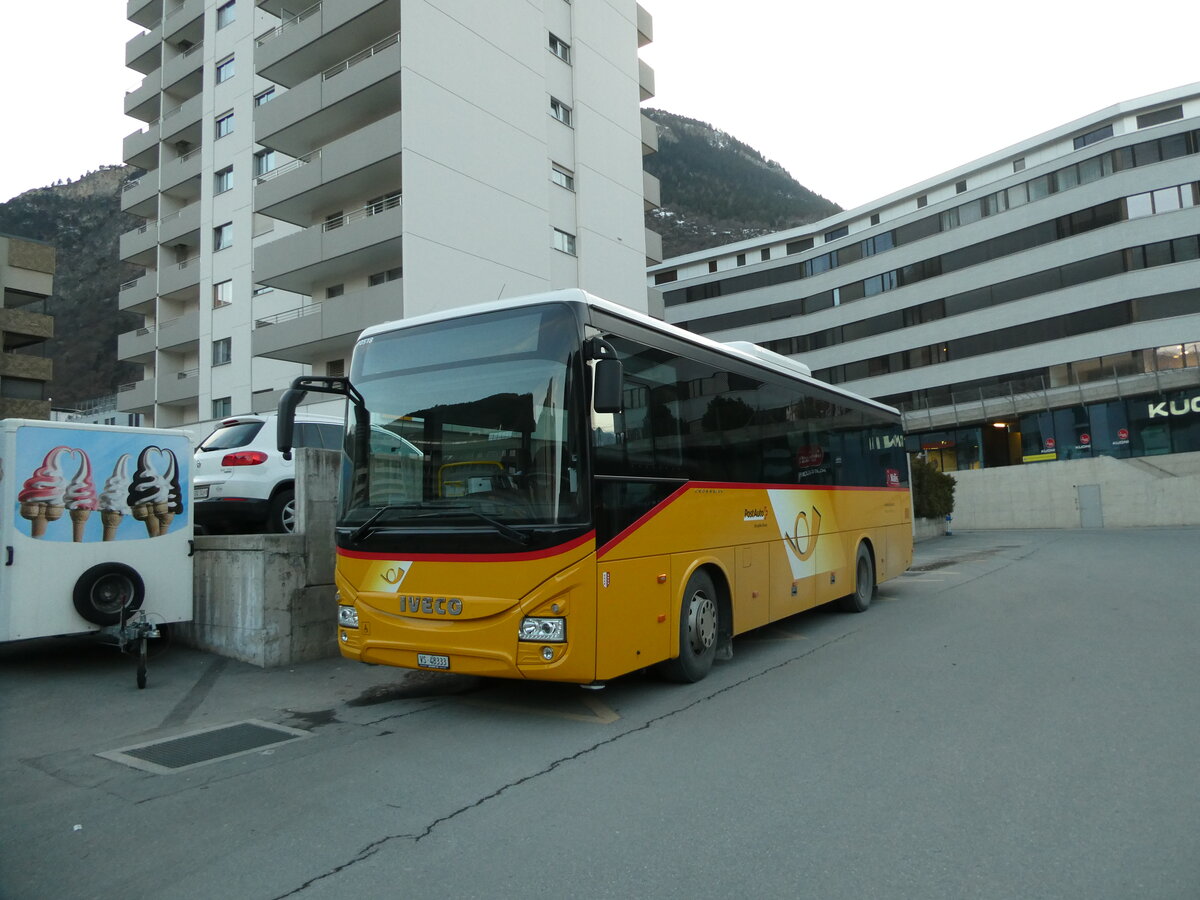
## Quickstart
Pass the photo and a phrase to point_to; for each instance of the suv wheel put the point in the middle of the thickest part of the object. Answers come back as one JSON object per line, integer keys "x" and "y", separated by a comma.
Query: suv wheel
{"x": 282, "y": 517}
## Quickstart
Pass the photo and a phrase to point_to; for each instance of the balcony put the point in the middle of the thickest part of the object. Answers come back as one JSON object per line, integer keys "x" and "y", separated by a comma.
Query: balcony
{"x": 137, "y": 346}
{"x": 183, "y": 75}
{"x": 365, "y": 240}
{"x": 329, "y": 328}
{"x": 140, "y": 149}
{"x": 654, "y": 251}
{"x": 138, "y": 295}
{"x": 181, "y": 279}
{"x": 180, "y": 333}
{"x": 645, "y": 26}
{"x": 180, "y": 177}
{"x": 30, "y": 368}
{"x": 180, "y": 388}
{"x": 645, "y": 81}
{"x": 140, "y": 246}
{"x": 144, "y": 101}
{"x": 649, "y": 137}
{"x": 343, "y": 98}
{"x": 182, "y": 227}
{"x": 137, "y": 396}
{"x": 182, "y": 124}
{"x": 146, "y": 13}
{"x": 143, "y": 53}
{"x": 184, "y": 21}
{"x": 651, "y": 192}
{"x": 318, "y": 37}
{"x": 350, "y": 167}
{"x": 140, "y": 197}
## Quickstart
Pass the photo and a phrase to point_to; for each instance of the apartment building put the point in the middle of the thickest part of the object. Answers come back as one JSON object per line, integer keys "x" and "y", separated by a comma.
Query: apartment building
{"x": 309, "y": 173}
{"x": 1040, "y": 303}
{"x": 26, "y": 280}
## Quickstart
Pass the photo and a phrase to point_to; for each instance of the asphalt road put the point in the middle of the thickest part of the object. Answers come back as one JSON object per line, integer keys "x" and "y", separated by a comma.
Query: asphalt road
{"x": 1017, "y": 717}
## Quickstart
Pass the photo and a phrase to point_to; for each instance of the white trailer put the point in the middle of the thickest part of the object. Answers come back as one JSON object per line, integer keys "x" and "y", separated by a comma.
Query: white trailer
{"x": 95, "y": 530}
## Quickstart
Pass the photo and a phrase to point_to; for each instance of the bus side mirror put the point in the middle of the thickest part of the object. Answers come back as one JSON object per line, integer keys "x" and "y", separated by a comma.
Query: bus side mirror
{"x": 286, "y": 418}
{"x": 608, "y": 375}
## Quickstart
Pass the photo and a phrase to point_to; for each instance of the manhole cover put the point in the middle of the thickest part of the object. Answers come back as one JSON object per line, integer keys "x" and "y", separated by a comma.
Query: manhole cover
{"x": 209, "y": 745}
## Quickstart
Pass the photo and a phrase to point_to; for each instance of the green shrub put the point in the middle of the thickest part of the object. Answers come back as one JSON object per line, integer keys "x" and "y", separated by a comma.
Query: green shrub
{"x": 933, "y": 491}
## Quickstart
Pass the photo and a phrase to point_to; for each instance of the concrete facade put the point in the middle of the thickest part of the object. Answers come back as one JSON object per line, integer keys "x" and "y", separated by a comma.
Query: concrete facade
{"x": 310, "y": 173}
{"x": 26, "y": 281}
{"x": 1094, "y": 493}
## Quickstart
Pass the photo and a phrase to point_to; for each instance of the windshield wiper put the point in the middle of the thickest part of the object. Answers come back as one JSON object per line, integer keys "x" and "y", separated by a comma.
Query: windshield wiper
{"x": 507, "y": 531}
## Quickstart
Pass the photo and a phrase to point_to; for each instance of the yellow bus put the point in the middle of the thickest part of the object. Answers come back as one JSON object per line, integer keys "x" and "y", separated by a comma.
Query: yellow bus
{"x": 559, "y": 488}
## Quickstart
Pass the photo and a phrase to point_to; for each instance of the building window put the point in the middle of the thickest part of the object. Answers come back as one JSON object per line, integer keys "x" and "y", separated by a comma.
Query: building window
{"x": 764, "y": 254}
{"x": 564, "y": 242}
{"x": 799, "y": 246}
{"x": 222, "y": 407}
{"x": 562, "y": 177}
{"x": 264, "y": 96}
{"x": 261, "y": 289}
{"x": 560, "y": 48}
{"x": 222, "y": 236}
{"x": 874, "y": 218}
{"x": 1019, "y": 164}
{"x": 836, "y": 233}
{"x": 922, "y": 201}
{"x": 222, "y": 294}
{"x": 334, "y": 220}
{"x": 712, "y": 265}
{"x": 334, "y": 290}
{"x": 741, "y": 259}
{"x": 224, "y": 70}
{"x": 224, "y": 125}
{"x": 666, "y": 277}
{"x": 223, "y": 180}
{"x": 335, "y": 368}
{"x": 380, "y": 277}
{"x": 226, "y": 14}
{"x": 264, "y": 162}
{"x": 560, "y": 111}
{"x": 1159, "y": 116}
{"x": 960, "y": 187}
{"x": 1092, "y": 136}
{"x": 222, "y": 351}
{"x": 376, "y": 205}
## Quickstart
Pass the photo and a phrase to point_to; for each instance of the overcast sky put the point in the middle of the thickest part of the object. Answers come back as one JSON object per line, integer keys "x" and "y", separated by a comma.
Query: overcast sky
{"x": 854, "y": 100}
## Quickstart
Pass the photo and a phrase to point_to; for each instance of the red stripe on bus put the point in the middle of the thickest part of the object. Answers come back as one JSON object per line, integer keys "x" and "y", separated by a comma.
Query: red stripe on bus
{"x": 556, "y": 550}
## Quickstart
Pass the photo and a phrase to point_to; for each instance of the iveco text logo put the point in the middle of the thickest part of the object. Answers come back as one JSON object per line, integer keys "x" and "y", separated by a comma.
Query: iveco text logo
{"x": 432, "y": 606}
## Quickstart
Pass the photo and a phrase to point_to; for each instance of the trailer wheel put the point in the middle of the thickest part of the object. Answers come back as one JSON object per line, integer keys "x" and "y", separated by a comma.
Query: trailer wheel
{"x": 104, "y": 591}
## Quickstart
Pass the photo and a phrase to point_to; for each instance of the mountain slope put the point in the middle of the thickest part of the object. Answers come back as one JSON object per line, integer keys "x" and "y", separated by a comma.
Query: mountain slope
{"x": 717, "y": 190}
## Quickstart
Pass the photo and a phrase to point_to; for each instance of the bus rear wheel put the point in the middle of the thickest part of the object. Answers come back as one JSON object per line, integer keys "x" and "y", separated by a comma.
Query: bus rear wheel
{"x": 864, "y": 583}
{"x": 698, "y": 628}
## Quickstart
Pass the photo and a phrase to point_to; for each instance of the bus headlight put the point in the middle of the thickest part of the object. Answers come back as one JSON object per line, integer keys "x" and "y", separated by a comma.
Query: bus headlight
{"x": 547, "y": 631}
{"x": 347, "y": 617}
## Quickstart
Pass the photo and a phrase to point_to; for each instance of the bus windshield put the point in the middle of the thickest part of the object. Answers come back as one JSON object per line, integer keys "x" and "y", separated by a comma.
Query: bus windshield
{"x": 471, "y": 422}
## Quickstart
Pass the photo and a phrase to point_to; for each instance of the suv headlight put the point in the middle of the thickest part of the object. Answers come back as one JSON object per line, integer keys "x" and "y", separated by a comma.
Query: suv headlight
{"x": 544, "y": 630}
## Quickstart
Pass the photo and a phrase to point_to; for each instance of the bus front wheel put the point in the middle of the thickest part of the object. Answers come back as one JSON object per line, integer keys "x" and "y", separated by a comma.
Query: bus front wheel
{"x": 864, "y": 583}
{"x": 698, "y": 629}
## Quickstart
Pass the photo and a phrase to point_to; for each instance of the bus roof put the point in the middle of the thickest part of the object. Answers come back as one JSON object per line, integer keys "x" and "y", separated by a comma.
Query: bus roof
{"x": 743, "y": 350}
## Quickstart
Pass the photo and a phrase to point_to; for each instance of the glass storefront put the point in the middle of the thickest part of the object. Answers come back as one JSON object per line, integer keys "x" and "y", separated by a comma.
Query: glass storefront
{"x": 1137, "y": 426}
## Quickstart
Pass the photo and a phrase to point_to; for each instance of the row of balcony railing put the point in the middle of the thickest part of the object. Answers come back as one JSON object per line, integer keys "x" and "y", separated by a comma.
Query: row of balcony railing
{"x": 362, "y": 56}
{"x": 288, "y": 23}
{"x": 371, "y": 209}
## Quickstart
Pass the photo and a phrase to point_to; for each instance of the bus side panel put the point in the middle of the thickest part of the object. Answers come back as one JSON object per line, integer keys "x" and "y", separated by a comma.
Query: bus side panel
{"x": 633, "y": 614}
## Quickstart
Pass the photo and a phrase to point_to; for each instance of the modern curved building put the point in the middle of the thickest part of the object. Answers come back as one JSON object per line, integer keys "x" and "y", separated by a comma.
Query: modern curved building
{"x": 1040, "y": 303}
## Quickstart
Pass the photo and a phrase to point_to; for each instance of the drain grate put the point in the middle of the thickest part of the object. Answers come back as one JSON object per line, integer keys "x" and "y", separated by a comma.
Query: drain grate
{"x": 209, "y": 745}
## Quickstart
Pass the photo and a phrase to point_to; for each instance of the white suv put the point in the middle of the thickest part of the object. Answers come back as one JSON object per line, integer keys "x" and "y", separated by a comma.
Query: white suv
{"x": 240, "y": 479}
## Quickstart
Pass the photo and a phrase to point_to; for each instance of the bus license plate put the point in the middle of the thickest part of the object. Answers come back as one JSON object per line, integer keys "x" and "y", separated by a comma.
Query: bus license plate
{"x": 433, "y": 661}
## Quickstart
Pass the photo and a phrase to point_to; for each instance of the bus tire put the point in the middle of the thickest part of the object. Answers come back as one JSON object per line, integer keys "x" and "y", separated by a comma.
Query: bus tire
{"x": 864, "y": 583}
{"x": 699, "y": 626}
{"x": 103, "y": 592}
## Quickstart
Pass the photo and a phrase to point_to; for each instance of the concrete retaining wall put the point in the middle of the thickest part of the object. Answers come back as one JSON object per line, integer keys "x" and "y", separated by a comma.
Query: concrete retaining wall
{"x": 1102, "y": 492}
{"x": 268, "y": 599}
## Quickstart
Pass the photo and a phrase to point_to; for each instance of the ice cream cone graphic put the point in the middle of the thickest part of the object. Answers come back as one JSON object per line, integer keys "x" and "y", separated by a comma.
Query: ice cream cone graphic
{"x": 80, "y": 496}
{"x": 114, "y": 498}
{"x": 41, "y": 498}
{"x": 150, "y": 493}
